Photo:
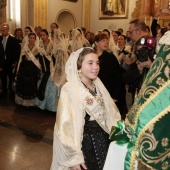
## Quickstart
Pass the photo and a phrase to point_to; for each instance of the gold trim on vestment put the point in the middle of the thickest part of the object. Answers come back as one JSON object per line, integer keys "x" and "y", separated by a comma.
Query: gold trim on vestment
{"x": 140, "y": 108}
{"x": 153, "y": 121}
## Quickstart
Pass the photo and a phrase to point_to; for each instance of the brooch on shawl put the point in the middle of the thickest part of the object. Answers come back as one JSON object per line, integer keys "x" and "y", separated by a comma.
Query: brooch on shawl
{"x": 89, "y": 101}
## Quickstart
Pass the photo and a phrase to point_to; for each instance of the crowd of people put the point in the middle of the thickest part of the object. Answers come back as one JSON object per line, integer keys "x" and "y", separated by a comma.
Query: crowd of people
{"x": 88, "y": 72}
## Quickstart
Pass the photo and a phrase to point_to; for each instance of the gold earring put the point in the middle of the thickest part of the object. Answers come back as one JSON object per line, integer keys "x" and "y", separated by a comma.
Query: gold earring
{"x": 79, "y": 71}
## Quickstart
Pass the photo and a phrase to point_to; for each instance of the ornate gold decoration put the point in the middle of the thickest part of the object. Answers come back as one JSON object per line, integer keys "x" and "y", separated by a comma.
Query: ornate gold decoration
{"x": 149, "y": 139}
{"x": 150, "y": 90}
{"x": 165, "y": 142}
{"x": 152, "y": 143}
{"x": 136, "y": 12}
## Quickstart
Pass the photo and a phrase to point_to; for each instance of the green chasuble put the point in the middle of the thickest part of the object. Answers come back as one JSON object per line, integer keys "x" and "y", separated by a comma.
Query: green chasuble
{"x": 148, "y": 121}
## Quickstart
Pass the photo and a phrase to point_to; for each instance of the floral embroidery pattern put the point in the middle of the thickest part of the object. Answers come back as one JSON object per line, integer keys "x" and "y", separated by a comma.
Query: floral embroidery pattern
{"x": 165, "y": 142}
{"x": 160, "y": 81}
{"x": 89, "y": 101}
{"x": 165, "y": 166}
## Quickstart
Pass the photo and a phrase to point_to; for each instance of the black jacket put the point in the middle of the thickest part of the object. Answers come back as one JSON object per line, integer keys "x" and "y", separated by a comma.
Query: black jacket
{"x": 2, "y": 55}
{"x": 110, "y": 74}
{"x": 12, "y": 51}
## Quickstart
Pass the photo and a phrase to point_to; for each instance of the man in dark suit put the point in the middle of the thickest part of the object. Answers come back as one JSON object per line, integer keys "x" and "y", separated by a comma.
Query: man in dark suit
{"x": 2, "y": 58}
{"x": 12, "y": 52}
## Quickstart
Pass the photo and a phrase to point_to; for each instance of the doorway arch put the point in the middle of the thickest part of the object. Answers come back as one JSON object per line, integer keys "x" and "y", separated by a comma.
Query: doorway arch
{"x": 66, "y": 21}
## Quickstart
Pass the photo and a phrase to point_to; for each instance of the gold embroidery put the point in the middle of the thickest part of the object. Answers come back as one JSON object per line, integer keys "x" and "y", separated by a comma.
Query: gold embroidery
{"x": 165, "y": 166}
{"x": 160, "y": 81}
{"x": 97, "y": 110}
{"x": 162, "y": 156}
{"x": 165, "y": 142}
{"x": 145, "y": 91}
{"x": 146, "y": 95}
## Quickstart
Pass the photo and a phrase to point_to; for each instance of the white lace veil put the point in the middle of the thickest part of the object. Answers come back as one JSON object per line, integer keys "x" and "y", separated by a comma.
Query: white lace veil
{"x": 61, "y": 56}
{"x": 112, "y": 45}
{"x": 76, "y": 41}
{"x": 26, "y": 37}
{"x": 84, "y": 40}
{"x": 27, "y": 42}
{"x": 112, "y": 113}
{"x": 25, "y": 47}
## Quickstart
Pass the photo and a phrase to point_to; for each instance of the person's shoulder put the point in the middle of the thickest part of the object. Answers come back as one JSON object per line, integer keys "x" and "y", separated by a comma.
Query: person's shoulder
{"x": 12, "y": 38}
{"x": 110, "y": 56}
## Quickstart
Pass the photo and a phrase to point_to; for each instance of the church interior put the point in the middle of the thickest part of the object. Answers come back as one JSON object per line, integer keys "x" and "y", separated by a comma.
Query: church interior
{"x": 26, "y": 134}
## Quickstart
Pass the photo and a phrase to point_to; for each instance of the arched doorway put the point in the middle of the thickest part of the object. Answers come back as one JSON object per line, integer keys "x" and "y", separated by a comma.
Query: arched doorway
{"x": 66, "y": 21}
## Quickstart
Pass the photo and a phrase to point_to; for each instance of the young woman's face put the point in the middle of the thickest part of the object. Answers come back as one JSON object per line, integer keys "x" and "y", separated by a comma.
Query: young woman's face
{"x": 27, "y": 31}
{"x": 31, "y": 39}
{"x": 90, "y": 67}
{"x": 53, "y": 27}
{"x": 159, "y": 35}
{"x": 115, "y": 37}
{"x": 44, "y": 36}
{"x": 19, "y": 34}
{"x": 88, "y": 36}
{"x": 121, "y": 41}
{"x": 102, "y": 44}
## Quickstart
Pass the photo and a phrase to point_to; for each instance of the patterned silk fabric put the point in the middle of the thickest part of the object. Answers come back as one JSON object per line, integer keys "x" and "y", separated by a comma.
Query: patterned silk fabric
{"x": 148, "y": 121}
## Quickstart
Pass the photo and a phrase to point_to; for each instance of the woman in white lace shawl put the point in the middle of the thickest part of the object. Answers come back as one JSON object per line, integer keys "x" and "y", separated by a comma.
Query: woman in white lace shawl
{"x": 46, "y": 96}
{"x": 29, "y": 69}
{"x": 77, "y": 40}
{"x": 112, "y": 46}
{"x": 57, "y": 74}
{"x": 28, "y": 29}
{"x": 85, "y": 116}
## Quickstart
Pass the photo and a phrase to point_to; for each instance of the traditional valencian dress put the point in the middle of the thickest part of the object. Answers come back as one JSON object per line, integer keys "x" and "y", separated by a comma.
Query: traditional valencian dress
{"x": 148, "y": 120}
{"x": 57, "y": 75}
{"x": 29, "y": 70}
{"x": 83, "y": 122}
{"x": 58, "y": 51}
{"x": 46, "y": 92}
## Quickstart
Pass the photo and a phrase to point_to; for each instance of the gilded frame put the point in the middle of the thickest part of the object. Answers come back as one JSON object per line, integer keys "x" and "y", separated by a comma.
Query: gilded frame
{"x": 106, "y": 8}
